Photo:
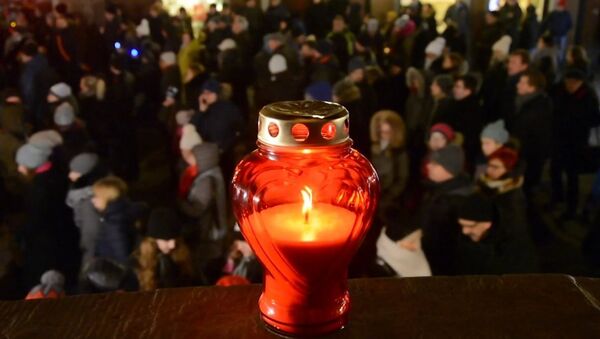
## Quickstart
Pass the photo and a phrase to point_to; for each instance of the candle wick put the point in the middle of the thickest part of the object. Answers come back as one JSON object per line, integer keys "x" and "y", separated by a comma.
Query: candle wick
{"x": 306, "y": 218}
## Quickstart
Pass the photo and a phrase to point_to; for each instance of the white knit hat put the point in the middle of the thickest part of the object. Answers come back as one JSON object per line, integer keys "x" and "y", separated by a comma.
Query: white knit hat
{"x": 61, "y": 90}
{"x": 189, "y": 138}
{"x": 64, "y": 114}
{"x": 168, "y": 58}
{"x": 47, "y": 139}
{"x": 502, "y": 45}
{"x": 226, "y": 44}
{"x": 277, "y": 64}
{"x": 143, "y": 29}
{"x": 436, "y": 47}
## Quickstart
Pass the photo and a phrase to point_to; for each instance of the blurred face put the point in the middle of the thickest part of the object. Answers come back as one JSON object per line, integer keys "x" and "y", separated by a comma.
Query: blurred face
{"x": 490, "y": 19}
{"x": 61, "y": 23}
{"x": 23, "y": 170}
{"x": 495, "y": 169}
{"x": 474, "y": 229}
{"x": 74, "y": 176}
{"x": 186, "y": 38}
{"x": 385, "y": 131}
{"x": 570, "y": 58}
{"x": 51, "y": 98}
{"x": 523, "y": 86}
{"x": 572, "y": 85}
{"x": 338, "y": 25}
{"x": 515, "y": 65}
{"x": 437, "y": 141}
{"x": 489, "y": 146}
{"x": 273, "y": 44}
{"x": 166, "y": 246}
{"x": 209, "y": 97}
{"x": 460, "y": 91}
{"x": 436, "y": 90}
{"x": 437, "y": 173}
{"x": 99, "y": 203}
{"x": 357, "y": 75}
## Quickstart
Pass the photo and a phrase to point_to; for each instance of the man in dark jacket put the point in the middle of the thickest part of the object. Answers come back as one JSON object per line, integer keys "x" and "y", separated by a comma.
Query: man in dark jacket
{"x": 317, "y": 19}
{"x": 492, "y": 32}
{"x": 575, "y": 113}
{"x": 489, "y": 244}
{"x": 63, "y": 52}
{"x": 465, "y": 115}
{"x": 558, "y": 23}
{"x": 518, "y": 63}
{"x": 321, "y": 64}
{"x": 510, "y": 16}
{"x": 218, "y": 121}
{"x": 531, "y": 124}
{"x": 34, "y": 83}
{"x": 438, "y": 214}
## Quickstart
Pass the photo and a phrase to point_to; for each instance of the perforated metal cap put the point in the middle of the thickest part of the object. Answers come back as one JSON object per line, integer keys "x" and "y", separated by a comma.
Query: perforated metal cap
{"x": 303, "y": 123}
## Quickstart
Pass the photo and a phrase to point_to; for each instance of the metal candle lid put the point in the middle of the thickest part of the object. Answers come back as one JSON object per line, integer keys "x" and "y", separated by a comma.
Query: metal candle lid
{"x": 303, "y": 123}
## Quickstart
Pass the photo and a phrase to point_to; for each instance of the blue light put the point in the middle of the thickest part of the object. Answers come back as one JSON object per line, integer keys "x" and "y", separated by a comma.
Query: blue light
{"x": 134, "y": 53}
{"x": 117, "y": 45}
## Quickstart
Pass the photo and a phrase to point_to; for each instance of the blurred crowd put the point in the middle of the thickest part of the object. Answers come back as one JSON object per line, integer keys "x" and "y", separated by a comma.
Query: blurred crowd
{"x": 460, "y": 131}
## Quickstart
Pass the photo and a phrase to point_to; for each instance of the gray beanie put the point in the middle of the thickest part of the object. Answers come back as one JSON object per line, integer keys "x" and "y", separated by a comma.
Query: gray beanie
{"x": 496, "y": 131}
{"x": 83, "y": 163}
{"x": 64, "y": 115}
{"x": 451, "y": 158}
{"x": 32, "y": 157}
{"x": 61, "y": 90}
{"x": 47, "y": 139}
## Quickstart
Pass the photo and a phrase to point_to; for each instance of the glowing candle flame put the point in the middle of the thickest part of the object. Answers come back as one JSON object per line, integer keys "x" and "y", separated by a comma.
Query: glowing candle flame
{"x": 307, "y": 206}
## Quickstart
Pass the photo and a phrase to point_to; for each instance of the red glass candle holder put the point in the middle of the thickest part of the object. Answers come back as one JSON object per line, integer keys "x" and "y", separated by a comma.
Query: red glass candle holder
{"x": 304, "y": 201}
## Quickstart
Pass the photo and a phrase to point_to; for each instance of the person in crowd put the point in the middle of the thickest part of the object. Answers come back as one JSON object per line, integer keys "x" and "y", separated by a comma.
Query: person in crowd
{"x": 52, "y": 286}
{"x": 60, "y": 93}
{"x": 558, "y": 24}
{"x": 577, "y": 58}
{"x": 317, "y": 19}
{"x": 321, "y": 63}
{"x": 533, "y": 108}
{"x": 433, "y": 51}
{"x": 575, "y": 113}
{"x": 518, "y": 63}
{"x": 510, "y": 17}
{"x": 426, "y": 32}
{"x": 529, "y": 29}
{"x": 283, "y": 85}
{"x": 357, "y": 74}
{"x": 63, "y": 51}
{"x": 437, "y": 218}
{"x": 103, "y": 275}
{"x": 465, "y": 116}
{"x": 163, "y": 259}
{"x": 170, "y": 86}
{"x": 441, "y": 90}
{"x": 231, "y": 65}
{"x": 74, "y": 134}
{"x": 489, "y": 244}
{"x": 389, "y": 156}
{"x": 370, "y": 41}
{"x": 493, "y": 137}
{"x": 85, "y": 170}
{"x": 319, "y": 90}
{"x": 342, "y": 40}
{"x": 502, "y": 182}
{"x": 275, "y": 13}
{"x": 495, "y": 74}
{"x": 492, "y": 32}
{"x": 440, "y": 136}
{"x": 545, "y": 60}
{"x": 34, "y": 82}
{"x": 457, "y": 18}
{"x": 347, "y": 94}
{"x": 416, "y": 110}
{"x": 399, "y": 250}
{"x": 92, "y": 92}
{"x": 49, "y": 238}
{"x": 118, "y": 216}
{"x": 218, "y": 121}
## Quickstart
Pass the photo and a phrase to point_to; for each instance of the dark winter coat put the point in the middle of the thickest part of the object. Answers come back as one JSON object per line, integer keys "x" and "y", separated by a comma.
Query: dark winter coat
{"x": 115, "y": 238}
{"x": 221, "y": 123}
{"x": 438, "y": 220}
{"x": 318, "y": 20}
{"x": 392, "y": 166}
{"x": 466, "y": 118}
{"x": 536, "y": 143}
{"x": 34, "y": 83}
{"x": 557, "y": 23}
{"x": 491, "y": 94}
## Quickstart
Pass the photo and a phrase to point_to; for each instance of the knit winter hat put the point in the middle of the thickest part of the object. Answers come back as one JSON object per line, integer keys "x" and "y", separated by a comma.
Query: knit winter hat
{"x": 451, "y": 158}
{"x": 168, "y": 58}
{"x": 104, "y": 274}
{"x": 64, "y": 114}
{"x": 61, "y": 90}
{"x": 277, "y": 64}
{"x": 372, "y": 25}
{"x": 319, "y": 90}
{"x": 84, "y": 163}
{"x": 226, "y": 44}
{"x": 496, "y": 131}
{"x": 356, "y": 63}
{"x": 507, "y": 156}
{"x": 163, "y": 223}
{"x": 32, "y": 157}
{"x": 211, "y": 85}
{"x": 436, "y": 47}
{"x": 445, "y": 130}
{"x": 47, "y": 139}
{"x": 207, "y": 155}
{"x": 189, "y": 137}
{"x": 51, "y": 286}
{"x": 143, "y": 29}
{"x": 502, "y": 45}
{"x": 476, "y": 207}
